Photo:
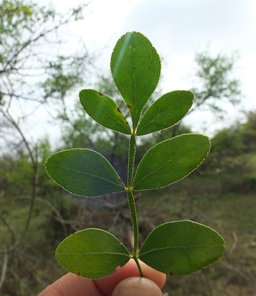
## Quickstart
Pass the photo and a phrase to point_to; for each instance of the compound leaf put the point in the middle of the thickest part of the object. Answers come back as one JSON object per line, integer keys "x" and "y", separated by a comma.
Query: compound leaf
{"x": 83, "y": 172}
{"x": 165, "y": 112}
{"x": 171, "y": 160}
{"x": 104, "y": 110}
{"x": 181, "y": 247}
{"x": 135, "y": 67}
{"x": 92, "y": 253}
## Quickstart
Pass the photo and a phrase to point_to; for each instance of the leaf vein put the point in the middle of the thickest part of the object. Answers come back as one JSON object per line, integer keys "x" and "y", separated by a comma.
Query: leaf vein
{"x": 179, "y": 247}
{"x": 91, "y": 175}
{"x": 115, "y": 120}
{"x": 161, "y": 167}
{"x": 94, "y": 254}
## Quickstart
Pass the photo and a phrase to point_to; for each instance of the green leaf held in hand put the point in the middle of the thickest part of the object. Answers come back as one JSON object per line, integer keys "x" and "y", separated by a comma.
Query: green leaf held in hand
{"x": 178, "y": 247}
{"x": 171, "y": 160}
{"x": 93, "y": 253}
{"x": 104, "y": 110}
{"x": 135, "y": 67}
{"x": 83, "y": 172}
{"x": 181, "y": 247}
{"x": 165, "y": 112}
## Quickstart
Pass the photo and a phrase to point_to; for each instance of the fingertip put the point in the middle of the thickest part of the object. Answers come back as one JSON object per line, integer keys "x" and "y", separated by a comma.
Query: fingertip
{"x": 156, "y": 276}
{"x": 130, "y": 269}
{"x": 137, "y": 286}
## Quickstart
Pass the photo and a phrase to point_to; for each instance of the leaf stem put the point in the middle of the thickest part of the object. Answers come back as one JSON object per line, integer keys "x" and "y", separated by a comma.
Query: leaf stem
{"x": 138, "y": 265}
{"x": 131, "y": 160}
{"x": 135, "y": 224}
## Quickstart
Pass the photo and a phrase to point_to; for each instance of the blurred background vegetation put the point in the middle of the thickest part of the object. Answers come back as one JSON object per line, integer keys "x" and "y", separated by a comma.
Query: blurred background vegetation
{"x": 35, "y": 214}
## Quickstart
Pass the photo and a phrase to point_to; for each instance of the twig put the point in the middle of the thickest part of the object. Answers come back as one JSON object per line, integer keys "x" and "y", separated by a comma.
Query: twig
{"x": 34, "y": 40}
{"x": 10, "y": 231}
{"x": 4, "y": 270}
{"x": 234, "y": 245}
{"x": 34, "y": 162}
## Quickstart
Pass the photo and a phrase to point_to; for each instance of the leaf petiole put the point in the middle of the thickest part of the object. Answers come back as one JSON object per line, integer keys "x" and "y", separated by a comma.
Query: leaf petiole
{"x": 131, "y": 201}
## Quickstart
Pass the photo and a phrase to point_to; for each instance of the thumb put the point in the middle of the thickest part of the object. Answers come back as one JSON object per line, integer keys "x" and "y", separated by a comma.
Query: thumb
{"x": 137, "y": 286}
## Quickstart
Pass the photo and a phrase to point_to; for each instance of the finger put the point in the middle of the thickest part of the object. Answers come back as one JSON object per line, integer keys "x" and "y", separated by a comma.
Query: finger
{"x": 107, "y": 284}
{"x": 72, "y": 285}
{"x": 137, "y": 286}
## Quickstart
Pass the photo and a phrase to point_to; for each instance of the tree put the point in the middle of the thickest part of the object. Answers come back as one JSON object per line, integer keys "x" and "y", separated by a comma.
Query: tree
{"x": 238, "y": 139}
{"x": 248, "y": 131}
{"x": 232, "y": 159}
{"x": 29, "y": 75}
{"x": 215, "y": 85}
{"x": 215, "y": 82}
{"x": 34, "y": 73}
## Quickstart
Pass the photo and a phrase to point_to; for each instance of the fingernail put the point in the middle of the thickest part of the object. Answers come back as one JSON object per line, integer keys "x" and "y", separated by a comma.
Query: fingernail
{"x": 137, "y": 286}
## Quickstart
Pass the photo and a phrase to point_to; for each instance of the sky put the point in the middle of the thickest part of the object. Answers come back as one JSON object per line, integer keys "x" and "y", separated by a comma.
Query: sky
{"x": 178, "y": 30}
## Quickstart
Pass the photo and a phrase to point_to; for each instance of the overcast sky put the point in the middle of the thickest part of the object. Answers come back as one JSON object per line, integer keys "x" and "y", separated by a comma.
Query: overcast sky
{"x": 178, "y": 29}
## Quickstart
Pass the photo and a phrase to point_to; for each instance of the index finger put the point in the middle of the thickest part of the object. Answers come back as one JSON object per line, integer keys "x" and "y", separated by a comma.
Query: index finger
{"x": 72, "y": 285}
{"x": 108, "y": 283}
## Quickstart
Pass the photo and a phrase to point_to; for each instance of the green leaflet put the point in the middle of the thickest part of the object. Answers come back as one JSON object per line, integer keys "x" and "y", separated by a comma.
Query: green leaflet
{"x": 135, "y": 67}
{"x": 104, "y": 110}
{"x": 165, "y": 112}
{"x": 181, "y": 247}
{"x": 92, "y": 253}
{"x": 83, "y": 172}
{"x": 171, "y": 160}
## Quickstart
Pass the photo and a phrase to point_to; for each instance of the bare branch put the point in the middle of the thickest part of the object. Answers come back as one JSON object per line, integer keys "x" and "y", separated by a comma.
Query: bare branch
{"x": 10, "y": 230}
{"x": 4, "y": 270}
{"x": 32, "y": 40}
{"x": 25, "y": 98}
{"x": 34, "y": 162}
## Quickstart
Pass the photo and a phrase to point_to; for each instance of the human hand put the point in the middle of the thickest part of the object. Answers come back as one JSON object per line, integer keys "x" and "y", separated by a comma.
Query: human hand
{"x": 125, "y": 281}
